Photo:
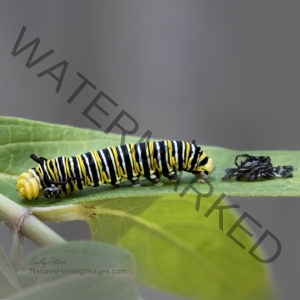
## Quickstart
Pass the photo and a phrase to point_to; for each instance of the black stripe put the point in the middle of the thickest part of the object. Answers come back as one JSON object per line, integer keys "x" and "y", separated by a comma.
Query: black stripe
{"x": 162, "y": 154}
{"x": 61, "y": 169}
{"x": 120, "y": 153}
{"x": 93, "y": 167}
{"x": 174, "y": 153}
{"x": 62, "y": 176}
{"x": 145, "y": 160}
{"x": 179, "y": 150}
{"x": 49, "y": 170}
{"x": 167, "y": 149}
{"x": 129, "y": 167}
{"x": 155, "y": 154}
{"x": 104, "y": 167}
{"x": 76, "y": 172}
{"x": 87, "y": 175}
{"x": 51, "y": 167}
{"x": 37, "y": 174}
{"x": 151, "y": 154}
{"x": 110, "y": 161}
{"x": 67, "y": 161}
{"x": 195, "y": 158}
{"x": 135, "y": 153}
{"x": 204, "y": 161}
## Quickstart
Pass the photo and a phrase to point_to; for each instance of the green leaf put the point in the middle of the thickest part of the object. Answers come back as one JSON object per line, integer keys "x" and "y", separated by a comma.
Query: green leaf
{"x": 20, "y": 137}
{"x": 176, "y": 247}
{"x": 8, "y": 277}
{"x": 78, "y": 270}
{"x": 224, "y": 158}
{"x": 78, "y": 288}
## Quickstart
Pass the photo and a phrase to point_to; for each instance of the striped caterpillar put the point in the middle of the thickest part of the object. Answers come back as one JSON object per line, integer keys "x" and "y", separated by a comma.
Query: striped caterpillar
{"x": 111, "y": 165}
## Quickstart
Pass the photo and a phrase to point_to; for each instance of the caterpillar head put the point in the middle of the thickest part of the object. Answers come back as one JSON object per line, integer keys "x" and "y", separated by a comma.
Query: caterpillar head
{"x": 28, "y": 185}
{"x": 203, "y": 171}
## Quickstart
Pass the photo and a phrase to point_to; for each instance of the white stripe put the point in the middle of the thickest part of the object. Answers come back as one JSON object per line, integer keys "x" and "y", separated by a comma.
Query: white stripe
{"x": 71, "y": 163}
{"x": 176, "y": 153}
{"x": 193, "y": 148}
{"x": 45, "y": 169}
{"x": 105, "y": 163}
{"x": 183, "y": 154}
{"x": 130, "y": 158}
{"x": 89, "y": 172}
{"x": 158, "y": 155}
{"x": 140, "y": 162}
{"x": 148, "y": 158}
{"x": 72, "y": 167}
{"x": 120, "y": 152}
{"x": 58, "y": 170}
{"x": 96, "y": 166}
{"x": 79, "y": 168}
{"x": 166, "y": 154}
{"x": 114, "y": 163}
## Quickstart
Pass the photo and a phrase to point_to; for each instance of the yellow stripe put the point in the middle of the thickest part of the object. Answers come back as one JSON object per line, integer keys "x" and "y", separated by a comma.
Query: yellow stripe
{"x": 89, "y": 175}
{"x": 171, "y": 158}
{"x": 156, "y": 162}
{"x": 103, "y": 176}
{"x": 135, "y": 164}
{"x": 52, "y": 174}
{"x": 190, "y": 159}
{"x": 55, "y": 170}
{"x": 202, "y": 156}
{"x": 99, "y": 165}
{"x": 83, "y": 170}
{"x": 69, "y": 175}
{"x": 118, "y": 167}
{"x": 150, "y": 147}
{"x": 41, "y": 173}
{"x": 187, "y": 152}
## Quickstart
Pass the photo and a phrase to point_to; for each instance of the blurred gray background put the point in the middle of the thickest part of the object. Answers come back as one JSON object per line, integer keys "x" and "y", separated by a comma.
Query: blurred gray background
{"x": 225, "y": 73}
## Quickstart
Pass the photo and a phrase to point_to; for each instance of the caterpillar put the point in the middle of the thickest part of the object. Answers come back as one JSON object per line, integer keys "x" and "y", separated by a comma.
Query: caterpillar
{"x": 110, "y": 165}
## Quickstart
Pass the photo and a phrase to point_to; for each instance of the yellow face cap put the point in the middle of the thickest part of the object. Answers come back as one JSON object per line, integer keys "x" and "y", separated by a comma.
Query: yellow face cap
{"x": 209, "y": 167}
{"x": 28, "y": 186}
{"x": 204, "y": 171}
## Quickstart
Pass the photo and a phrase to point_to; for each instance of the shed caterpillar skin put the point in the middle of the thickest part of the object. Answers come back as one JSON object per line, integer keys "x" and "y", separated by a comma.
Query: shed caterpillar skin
{"x": 256, "y": 167}
{"x": 111, "y": 165}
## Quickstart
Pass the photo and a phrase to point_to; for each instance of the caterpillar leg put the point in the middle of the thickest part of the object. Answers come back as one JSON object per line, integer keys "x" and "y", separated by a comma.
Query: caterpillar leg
{"x": 172, "y": 176}
{"x": 154, "y": 178}
{"x": 52, "y": 192}
{"x": 117, "y": 184}
{"x": 202, "y": 177}
{"x": 135, "y": 182}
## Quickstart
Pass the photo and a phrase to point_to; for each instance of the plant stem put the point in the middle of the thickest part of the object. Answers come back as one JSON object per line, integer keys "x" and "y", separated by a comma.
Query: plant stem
{"x": 20, "y": 218}
{"x": 17, "y": 247}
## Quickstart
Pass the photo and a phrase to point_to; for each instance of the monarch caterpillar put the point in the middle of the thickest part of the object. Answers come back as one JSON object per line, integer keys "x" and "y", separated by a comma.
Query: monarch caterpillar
{"x": 256, "y": 167}
{"x": 110, "y": 165}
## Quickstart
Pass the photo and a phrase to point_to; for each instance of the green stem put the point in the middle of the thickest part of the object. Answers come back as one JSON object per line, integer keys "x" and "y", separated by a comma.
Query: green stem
{"x": 42, "y": 235}
{"x": 20, "y": 218}
{"x": 17, "y": 247}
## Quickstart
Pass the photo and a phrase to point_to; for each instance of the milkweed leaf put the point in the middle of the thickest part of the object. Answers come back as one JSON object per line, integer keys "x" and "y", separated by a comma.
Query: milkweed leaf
{"x": 8, "y": 277}
{"x": 78, "y": 270}
{"x": 176, "y": 247}
{"x": 20, "y": 138}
